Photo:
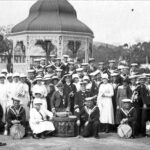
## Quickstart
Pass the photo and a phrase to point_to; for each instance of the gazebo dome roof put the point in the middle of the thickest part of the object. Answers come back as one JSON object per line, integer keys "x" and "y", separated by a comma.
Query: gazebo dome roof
{"x": 52, "y": 15}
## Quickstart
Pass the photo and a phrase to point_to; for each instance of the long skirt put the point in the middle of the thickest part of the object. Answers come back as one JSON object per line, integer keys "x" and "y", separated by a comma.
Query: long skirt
{"x": 42, "y": 126}
{"x": 106, "y": 110}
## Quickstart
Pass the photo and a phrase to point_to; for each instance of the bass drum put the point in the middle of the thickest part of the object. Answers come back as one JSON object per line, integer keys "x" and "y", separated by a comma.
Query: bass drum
{"x": 17, "y": 131}
{"x": 124, "y": 131}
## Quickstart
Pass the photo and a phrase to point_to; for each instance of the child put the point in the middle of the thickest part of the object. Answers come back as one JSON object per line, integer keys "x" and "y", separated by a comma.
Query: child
{"x": 127, "y": 115}
{"x": 88, "y": 119}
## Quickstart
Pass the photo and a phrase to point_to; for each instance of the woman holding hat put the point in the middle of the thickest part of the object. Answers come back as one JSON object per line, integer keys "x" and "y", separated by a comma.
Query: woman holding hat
{"x": 39, "y": 123}
{"x": 104, "y": 101}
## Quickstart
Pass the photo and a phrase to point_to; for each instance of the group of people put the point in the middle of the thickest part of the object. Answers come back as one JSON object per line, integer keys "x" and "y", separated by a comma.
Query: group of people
{"x": 98, "y": 95}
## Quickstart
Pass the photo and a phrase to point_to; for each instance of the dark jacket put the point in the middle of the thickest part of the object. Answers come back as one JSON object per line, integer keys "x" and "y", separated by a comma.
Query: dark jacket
{"x": 80, "y": 98}
{"x": 59, "y": 101}
{"x": 131, "y": 115}
{"x": 84, "y": 116}
{"x": 13, "y": 115}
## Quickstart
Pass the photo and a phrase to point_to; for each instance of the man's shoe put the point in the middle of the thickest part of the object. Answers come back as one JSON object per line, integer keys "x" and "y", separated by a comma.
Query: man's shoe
{"x": 97, "y": 137}
{"x": 2, "y": 144}
{"x": 35, "y": 136}
{"x": 42, "y": 136}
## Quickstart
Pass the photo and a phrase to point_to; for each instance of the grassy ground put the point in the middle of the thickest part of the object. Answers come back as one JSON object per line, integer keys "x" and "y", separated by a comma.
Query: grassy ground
{"x": 106, "y": 142}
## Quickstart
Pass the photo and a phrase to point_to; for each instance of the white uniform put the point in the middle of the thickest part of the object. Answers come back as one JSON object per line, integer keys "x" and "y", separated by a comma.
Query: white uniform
{"x": 38, "y": 122}
{"x": 105, "y": 103}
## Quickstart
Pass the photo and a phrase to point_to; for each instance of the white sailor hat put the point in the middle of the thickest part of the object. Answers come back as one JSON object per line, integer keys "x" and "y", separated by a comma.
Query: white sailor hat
{"x": 75, "y": 76}
{"x": 22, "y": 75}
{"x": 4, "y": 71}
{"x": 101, "y": 63}
{"x": 65, "y": 56}
{"x": 38, "y": 77}
{"x": 114, "y": 74}
{"x": 37, "y": 101}
{"x": 52, "y": 55}
{"x": 111, "y": 61}
{"x": 9, "y": 75}
{"x": 134, "y": 64}
{"x": 127, "y": 100}
{"x": 84, "y": 64}
{"x": 67, "y": 75}
{"x": 105, "y": 76}
{"x": 91, "y": 59}
{"x": 37, "y": 60}
{"x": 55, "y": 78}
{"x": 47, "y": 77}
{"x": 16, "y": 98}
{"x": 79, "y": 69}
{"x": 31, "y": 71}
{"x": 58, "y": 69}
{"x": 16, "y": 74}
{"x": 87, "y": 99}
{"x": 2, "y": 75}
{"x": 39, "y": 70}
{"x": 86, "y": 78}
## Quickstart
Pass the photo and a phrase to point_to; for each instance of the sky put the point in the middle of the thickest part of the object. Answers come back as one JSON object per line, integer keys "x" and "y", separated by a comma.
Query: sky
{"x": 114, "y": 22}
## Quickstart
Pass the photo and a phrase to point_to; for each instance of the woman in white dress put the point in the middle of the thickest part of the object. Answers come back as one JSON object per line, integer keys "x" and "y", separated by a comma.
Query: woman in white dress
{"x": 39, "y": 124}
{"x": 25, "y": 98}
{"x": 43, "y": 91}
{"x": 104, "y": 102}
{"x": 3, "y": 95}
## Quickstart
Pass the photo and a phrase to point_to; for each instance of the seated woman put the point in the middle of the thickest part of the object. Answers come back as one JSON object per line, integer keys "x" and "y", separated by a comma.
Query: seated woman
{"x": 16, "y": 115}
{"x": 127, "y": 115}
{"x": 88, "y": 119}
{"x": 39, "y": 122}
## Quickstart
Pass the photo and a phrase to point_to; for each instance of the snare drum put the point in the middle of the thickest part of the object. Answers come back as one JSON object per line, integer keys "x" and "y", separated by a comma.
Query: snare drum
{"x": 65, "y": 126}
{"x": 124, "y": 131}
{"x": 17, "y": 131}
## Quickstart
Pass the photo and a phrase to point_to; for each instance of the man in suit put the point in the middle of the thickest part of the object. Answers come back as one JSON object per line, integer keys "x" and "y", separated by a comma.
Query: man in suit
{"x": 60, "y": 101}
{"x": 69, "y": 91}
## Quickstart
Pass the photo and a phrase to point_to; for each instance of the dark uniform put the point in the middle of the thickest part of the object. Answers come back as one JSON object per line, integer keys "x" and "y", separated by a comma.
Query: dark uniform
{"x": 131, "y": 116}
{"x": 80, "y": 99}
{"x": 68, "y": 89}
{"x": 141, "y": 112}
{"x": 92, "y": 117}
{"x": 14, "y": 114}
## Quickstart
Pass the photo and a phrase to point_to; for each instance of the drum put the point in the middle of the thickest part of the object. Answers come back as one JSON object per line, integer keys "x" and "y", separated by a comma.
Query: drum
{"x": 124, "y": 131}
{"x": 17, "y": 131}
{"x": 65, "y": 126}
